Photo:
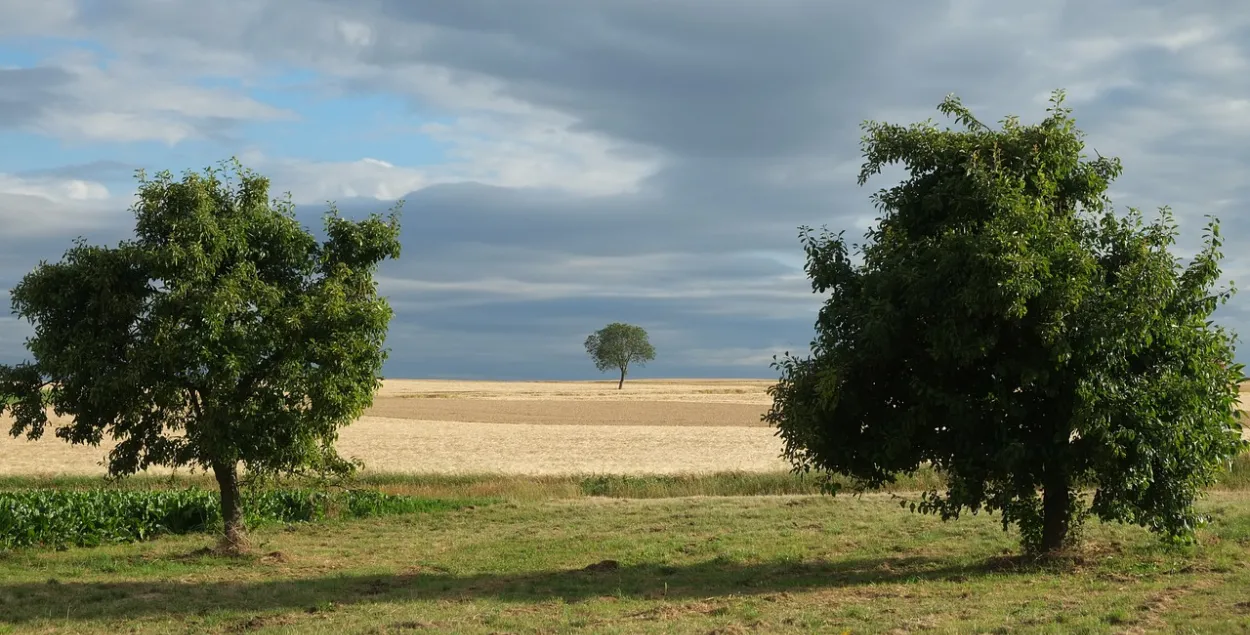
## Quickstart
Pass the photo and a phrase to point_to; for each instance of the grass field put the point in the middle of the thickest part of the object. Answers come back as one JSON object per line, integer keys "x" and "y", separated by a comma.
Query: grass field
{"x": 608, "y": 519}
{"x": 780, "y": 564}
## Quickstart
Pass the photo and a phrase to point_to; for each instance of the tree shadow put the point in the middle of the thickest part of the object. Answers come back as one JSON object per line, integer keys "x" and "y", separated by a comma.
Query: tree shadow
{"x": 25, "y": 602}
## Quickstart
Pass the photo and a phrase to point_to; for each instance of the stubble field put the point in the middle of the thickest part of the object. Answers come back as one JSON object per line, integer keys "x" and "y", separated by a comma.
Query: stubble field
{"x": 531, "y": 428}
{"x": 425, "y": 426}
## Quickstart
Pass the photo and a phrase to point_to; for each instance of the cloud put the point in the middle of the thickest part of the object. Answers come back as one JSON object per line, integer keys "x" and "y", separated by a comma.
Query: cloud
{"x": 43, "y": 206}
{"x": 20, "y": 18}
{"x": 749, "y": 358}
{"x": 540, "y": 154}
{"x": 77, "y": 97}
{"x": 617, "y": 160}
{"x": 99, "y": 171}
{"x": 320, "y": 181}
{"x": 527, "y": 155}
{"x": 39, "y": 218}
{"x": 54, "y": 189}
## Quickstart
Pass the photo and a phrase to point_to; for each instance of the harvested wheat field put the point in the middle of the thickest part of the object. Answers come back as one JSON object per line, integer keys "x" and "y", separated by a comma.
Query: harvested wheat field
{"x": 445, "y": 426}
{"x": 437, "y": 426}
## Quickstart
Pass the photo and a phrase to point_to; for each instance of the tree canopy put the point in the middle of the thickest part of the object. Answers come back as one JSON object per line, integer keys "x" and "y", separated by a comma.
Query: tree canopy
{"x": 222, "y": 333}
{"x": 1003, "y": 324}
{"x": 619, "y": 345}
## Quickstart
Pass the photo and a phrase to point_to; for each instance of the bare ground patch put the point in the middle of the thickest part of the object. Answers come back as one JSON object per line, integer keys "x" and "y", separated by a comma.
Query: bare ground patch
{"x": 570, "y": 412}
{"x": 743, "y": 391}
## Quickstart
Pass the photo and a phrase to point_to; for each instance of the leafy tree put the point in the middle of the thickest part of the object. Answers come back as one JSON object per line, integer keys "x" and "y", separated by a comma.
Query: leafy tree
{"x": 223, "y": 334}
{"x": 1004, "y": 325}
{"x": 618, "y": 345}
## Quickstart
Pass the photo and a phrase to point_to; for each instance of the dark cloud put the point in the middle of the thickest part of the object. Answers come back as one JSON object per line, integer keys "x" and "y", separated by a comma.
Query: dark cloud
{"x": 693, "y": 210}
{"x": 25, "y": 93}
{"x": 91, "y": 171}
{"x": 707, "y": 79}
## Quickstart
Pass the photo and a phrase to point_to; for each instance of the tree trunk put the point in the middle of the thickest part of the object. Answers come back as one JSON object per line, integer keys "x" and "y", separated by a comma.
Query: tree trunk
{"x": 1056, "y": 510}
{"x": 227, "y": 475}
{"x": 621, "y": 384}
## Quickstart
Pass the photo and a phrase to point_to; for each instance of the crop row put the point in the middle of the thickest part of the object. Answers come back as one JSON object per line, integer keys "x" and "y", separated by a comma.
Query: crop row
{"x": 61, "y": 518}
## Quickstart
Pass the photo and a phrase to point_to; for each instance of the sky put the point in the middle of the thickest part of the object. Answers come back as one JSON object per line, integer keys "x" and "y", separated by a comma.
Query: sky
{"x": 565, "y": 164}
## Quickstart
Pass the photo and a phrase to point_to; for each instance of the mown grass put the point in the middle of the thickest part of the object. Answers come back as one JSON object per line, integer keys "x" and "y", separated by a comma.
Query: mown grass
{"x": 777, "y": 564}
{"x": 726, "y": 553}
{"x": 511, "y": 486}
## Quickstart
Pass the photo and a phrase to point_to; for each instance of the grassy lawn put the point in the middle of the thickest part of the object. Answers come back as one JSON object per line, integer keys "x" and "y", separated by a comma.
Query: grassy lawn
{"x": 787, "y": 563}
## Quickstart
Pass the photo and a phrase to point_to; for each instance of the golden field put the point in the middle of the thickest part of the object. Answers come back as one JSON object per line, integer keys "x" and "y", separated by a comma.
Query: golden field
{"x": 443, "y": 426}
{"x": 534, "y": 428}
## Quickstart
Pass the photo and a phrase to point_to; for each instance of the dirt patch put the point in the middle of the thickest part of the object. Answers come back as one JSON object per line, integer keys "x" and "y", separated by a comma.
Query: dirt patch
{"x": 571, "y": 412}
{"x": 743, "y": 391}
{"x": 275, "y": 557}
{"x": 258, "y": 622}
{"x": 1150, "y": 613}
{"x": 411, "y": 625}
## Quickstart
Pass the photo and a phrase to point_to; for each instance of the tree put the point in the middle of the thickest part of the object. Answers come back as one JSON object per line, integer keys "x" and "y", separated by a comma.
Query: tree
{"x": 1008, "y": 328}
{"x": 618, "y": 345}
{"x": 223, "y": 333}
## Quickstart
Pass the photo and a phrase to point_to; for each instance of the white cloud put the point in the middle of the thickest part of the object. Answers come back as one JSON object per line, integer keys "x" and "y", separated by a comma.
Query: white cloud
{"x": 146, "y": 91}
{"x": 540, "y": 152}
{"x": 80, "y": 98}
{"x": 53, "y": 206}
{"x": 318, "y": 181}
{"x": 355, "y": 33}
{"x": 529, "y": 154}
{"x": 56, "y": 190}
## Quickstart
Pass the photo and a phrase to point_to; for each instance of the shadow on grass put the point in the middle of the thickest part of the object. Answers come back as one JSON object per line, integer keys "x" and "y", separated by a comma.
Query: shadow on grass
{"x": 25, "y": 602}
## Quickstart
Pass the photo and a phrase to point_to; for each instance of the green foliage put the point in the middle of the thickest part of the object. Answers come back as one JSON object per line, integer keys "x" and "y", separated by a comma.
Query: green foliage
{"x": 725, "y": 484}
{"x": 222, "y": 333}
{"x": 619, "y": 345}
{"x": 1003, "y": 325}
{"x": 58, "y": 518}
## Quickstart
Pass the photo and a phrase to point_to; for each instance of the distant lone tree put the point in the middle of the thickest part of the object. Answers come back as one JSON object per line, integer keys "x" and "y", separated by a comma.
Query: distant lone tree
{"x": 223, "y": 334}
{"x": 1005, "y": 326}
{"x": 618, "y": 345}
